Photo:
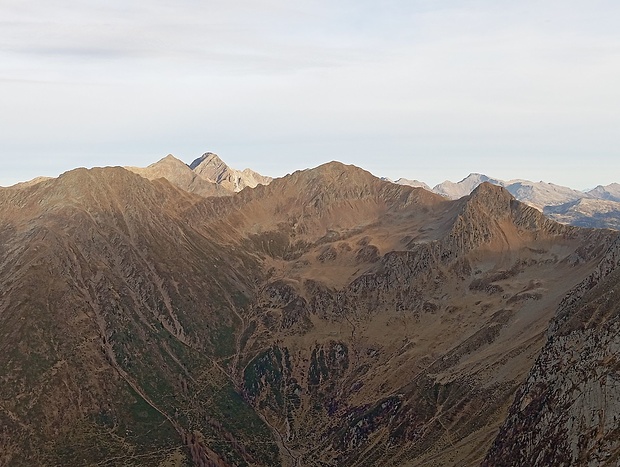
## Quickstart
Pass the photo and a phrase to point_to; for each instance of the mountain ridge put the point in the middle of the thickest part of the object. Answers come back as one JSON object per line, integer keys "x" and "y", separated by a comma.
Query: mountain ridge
{"x": 327, "y": 317}
{"x": 558, "y": 202}
{"x": 326, "y": 308}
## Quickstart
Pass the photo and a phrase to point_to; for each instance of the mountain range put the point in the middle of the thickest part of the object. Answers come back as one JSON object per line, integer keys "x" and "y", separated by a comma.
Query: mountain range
{"x": 168, "y": 316}
{"x": 208, "y": 175}
{"x": 599, "y": 207}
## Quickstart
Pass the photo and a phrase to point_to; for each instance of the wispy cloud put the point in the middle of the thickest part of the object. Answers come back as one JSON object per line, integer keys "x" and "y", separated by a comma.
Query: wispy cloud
{"x": 448, "y": 79}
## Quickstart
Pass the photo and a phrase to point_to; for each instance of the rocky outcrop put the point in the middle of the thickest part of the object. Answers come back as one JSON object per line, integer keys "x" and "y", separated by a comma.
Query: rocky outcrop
{"x": 567, "y": 411}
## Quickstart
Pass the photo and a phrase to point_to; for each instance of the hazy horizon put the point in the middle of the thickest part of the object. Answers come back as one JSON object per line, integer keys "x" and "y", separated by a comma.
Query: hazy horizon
{"x": 431, "y": 184}
{"x": 402, "y": 89}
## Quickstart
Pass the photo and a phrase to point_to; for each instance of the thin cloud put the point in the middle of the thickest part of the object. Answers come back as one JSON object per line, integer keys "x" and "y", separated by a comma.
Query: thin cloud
{"x": 530, "y": 81}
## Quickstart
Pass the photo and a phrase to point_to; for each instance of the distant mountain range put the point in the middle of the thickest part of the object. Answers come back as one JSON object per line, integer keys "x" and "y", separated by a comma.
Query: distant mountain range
{"x": 599, "y": 207}
{"x": 536, "y": 194}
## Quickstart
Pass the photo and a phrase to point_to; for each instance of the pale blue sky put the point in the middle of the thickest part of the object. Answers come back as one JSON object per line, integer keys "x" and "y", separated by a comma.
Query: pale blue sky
{"x": 431, "y": 90}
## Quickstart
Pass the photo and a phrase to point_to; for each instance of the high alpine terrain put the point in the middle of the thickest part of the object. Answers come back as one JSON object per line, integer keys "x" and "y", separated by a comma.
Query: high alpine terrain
{"x": 599, "y": 207}
{"x": 327, "y": 318}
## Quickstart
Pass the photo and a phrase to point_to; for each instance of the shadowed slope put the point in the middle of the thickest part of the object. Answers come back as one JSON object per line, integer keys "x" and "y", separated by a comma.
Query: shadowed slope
{"x": 566, "y": 411}
{"x": 329, "y": 318}
{"x": 118, "y": 315}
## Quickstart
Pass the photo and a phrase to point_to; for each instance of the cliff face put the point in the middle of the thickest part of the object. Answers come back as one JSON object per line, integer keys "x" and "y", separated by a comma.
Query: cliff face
{"x": 567, "y": 411}
{"x": 328, "y": 317}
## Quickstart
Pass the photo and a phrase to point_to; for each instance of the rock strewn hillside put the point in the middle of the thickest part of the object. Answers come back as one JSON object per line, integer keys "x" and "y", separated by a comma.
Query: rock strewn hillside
{"x": 567, "y": 411}
{"x": 328, "y": 318}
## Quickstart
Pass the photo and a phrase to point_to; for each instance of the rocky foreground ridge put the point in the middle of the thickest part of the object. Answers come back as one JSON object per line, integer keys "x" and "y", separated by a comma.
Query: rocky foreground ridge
{"x": 327, "y": 318}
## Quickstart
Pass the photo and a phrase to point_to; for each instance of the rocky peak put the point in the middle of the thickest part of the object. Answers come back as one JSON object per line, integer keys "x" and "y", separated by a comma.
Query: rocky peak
{"x": 167, "y": 163}
{"x": 109, "y": 188}
{"x": 179, "y": 174}
{"x": 210, "y": 167}
{"x": 491, "y": 216}
{"x": 209, "y": 159}
{"x": 487, "y": 202}
{"x": 489, "y": 192}
{"x": 170, "y": 158}
{"x": 335, "y": 182}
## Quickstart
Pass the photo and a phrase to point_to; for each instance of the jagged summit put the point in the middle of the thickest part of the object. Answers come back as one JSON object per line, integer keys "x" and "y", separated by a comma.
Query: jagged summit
{"x": 208, "y": 158}
{"x": 490, "y": 198}
{"x": 212, "y": 168}
{"x": 207, "y": 176}
{"x": 179, "y": 174}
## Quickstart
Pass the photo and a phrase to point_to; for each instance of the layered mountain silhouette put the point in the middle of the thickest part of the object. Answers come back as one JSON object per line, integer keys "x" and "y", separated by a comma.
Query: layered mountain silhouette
{"x": 206, "y": 176}
{"x": 599, "y": 207}
{"x": 326, "y": 318}
{"x": 537, "y": 194}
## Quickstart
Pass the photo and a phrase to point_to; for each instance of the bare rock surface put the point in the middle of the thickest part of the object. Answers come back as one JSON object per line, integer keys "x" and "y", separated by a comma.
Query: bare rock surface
{"x": 567, "y": 411}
